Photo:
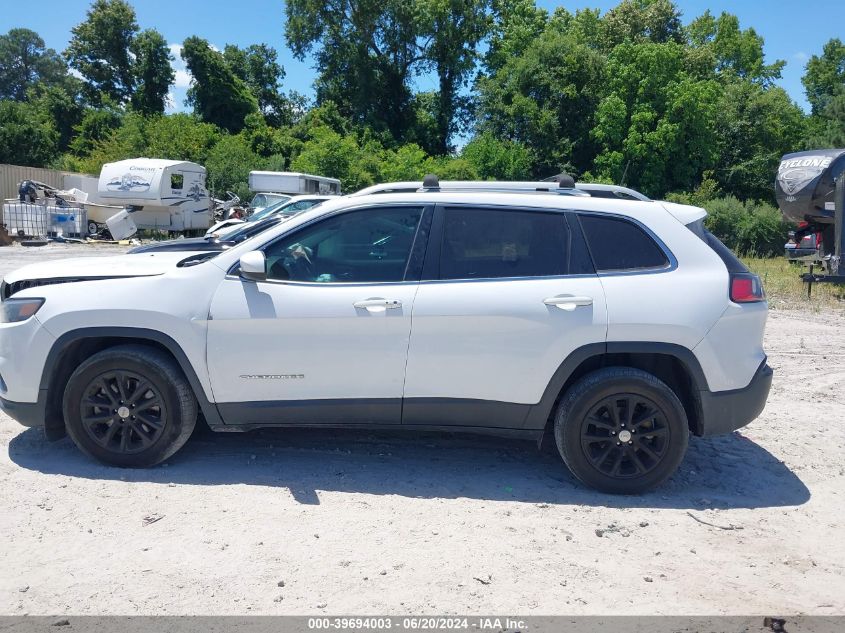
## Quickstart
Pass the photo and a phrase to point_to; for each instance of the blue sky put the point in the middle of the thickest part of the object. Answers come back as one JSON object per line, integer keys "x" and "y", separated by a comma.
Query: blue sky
{"x": 793, "y": 30}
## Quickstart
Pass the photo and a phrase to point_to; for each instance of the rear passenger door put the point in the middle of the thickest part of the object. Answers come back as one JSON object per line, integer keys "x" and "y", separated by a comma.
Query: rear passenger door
{"x": 507, "y": 294}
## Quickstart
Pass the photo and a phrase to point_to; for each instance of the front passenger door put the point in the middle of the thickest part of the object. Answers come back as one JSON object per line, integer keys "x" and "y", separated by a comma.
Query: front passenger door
{"x": 325, "y": 338}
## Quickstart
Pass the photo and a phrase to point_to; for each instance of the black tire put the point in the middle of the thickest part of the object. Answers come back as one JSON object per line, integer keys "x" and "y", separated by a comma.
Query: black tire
{"x": 602, "y": 448}
{"x": 109, "y": 385}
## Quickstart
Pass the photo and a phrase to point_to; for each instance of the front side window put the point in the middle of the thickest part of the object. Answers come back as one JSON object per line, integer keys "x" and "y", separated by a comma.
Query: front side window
{"x": 371, "y": 245}
{"x": 617, "y": 244}
{"x": 490, "y": 243}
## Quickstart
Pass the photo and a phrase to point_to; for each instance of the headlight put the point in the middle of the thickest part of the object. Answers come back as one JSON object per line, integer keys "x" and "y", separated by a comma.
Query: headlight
{"x": 14, "y": 310}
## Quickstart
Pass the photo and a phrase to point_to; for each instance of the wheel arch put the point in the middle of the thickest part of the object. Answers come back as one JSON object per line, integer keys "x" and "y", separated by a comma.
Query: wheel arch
{"x": 674, "y": 364}
{"x": 73, "y": 347}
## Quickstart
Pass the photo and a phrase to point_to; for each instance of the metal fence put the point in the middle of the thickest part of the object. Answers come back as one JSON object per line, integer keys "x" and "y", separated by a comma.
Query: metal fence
{"x": 12, "y": 175}
{"x": 33, "y": 220}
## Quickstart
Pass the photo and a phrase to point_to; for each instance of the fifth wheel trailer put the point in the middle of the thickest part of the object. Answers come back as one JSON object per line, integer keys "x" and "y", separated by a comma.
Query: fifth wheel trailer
{"x": 167, "y": 195}
{"x": 810, "y": 191}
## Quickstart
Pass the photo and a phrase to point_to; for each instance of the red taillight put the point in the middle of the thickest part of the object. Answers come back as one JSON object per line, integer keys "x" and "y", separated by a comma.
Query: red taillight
{"x": 746, "y": 288}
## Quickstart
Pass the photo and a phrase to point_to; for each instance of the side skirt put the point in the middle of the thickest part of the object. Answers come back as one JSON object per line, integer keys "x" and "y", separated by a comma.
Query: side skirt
{"x": 438, "y": 413}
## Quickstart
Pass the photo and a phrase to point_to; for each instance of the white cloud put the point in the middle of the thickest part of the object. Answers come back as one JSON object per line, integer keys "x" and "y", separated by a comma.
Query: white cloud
{"x": 182, "y": 79}
{"x": 801, "y": 56}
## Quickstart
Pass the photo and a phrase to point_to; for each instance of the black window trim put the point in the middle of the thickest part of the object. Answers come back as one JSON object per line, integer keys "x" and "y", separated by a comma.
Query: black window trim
{"x": 652, "y": 270}
{"x": 431, "y": 267}
{"x": 427, "y": 212}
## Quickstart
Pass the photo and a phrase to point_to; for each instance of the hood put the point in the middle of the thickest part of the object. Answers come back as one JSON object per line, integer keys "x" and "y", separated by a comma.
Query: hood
{"x": 191, "y": 244}
{"x": 140, "y": 265}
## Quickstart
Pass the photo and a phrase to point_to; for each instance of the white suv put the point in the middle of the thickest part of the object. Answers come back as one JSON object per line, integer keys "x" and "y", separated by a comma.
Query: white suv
{"x": 618, "y": 327}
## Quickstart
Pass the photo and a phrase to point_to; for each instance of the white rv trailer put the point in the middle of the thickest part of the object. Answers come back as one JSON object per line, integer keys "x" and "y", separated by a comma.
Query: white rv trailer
{"x": 167, "y": 195}
{"x": 292, "y": 183}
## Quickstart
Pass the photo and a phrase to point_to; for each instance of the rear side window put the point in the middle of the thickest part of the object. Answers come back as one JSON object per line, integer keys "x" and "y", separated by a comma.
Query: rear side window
{"x": 731, "y": 261}
{"x": 618, "y": 244}
{"x": 491, "y": 243}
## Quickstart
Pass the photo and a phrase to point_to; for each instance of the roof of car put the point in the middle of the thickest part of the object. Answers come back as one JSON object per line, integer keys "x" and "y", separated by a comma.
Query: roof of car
{"x": 637, "y": 209}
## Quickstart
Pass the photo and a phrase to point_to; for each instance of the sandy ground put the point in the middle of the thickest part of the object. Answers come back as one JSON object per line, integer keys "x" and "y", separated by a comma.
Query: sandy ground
{"x": 315, "y": 521}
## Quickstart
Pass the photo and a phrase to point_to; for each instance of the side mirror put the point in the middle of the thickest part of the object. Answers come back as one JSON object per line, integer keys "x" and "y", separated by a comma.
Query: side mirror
{"x": 254, "y": 266}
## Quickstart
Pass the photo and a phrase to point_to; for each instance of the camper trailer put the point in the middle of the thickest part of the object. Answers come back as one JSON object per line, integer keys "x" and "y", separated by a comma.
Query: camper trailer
{"x": 289, "y": 183}
{"x": 167, "y": 195}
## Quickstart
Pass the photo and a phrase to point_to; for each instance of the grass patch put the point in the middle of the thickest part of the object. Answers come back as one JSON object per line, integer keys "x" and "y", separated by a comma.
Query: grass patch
{"x": 785, "y": 290}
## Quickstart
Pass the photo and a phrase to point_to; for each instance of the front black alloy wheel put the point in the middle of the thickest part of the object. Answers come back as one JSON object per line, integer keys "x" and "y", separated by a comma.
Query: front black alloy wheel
{"x": 129, "y": 406}
{"x": 123, "y": 412}
{"x": 621, "y": 430}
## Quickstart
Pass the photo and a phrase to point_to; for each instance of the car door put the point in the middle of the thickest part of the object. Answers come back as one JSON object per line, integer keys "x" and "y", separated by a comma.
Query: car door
{"x": 507, "y": 294}
{"x": 325, "y": 338}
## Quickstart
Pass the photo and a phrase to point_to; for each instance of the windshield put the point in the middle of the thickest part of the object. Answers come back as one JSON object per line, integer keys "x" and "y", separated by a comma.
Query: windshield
{"x": 286, "y": 208}
{"x": 262, "y": 200}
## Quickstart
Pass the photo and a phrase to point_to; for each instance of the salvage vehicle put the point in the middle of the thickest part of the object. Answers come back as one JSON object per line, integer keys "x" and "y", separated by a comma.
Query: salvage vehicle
{"x": 614, "y": 327}
{"x": 289, "y": 207}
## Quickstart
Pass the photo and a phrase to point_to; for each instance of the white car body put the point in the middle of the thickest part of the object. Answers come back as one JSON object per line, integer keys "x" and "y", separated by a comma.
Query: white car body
{"x": 490, "y": 353}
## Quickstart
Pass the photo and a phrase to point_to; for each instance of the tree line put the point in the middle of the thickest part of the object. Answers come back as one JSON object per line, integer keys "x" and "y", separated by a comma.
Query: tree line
{"x": 633, "y": 96}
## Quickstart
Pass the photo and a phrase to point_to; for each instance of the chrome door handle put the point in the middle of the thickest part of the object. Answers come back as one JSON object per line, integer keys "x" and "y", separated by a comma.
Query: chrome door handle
{"x": 568, "y": 302}
{"x": 378, "y": 305}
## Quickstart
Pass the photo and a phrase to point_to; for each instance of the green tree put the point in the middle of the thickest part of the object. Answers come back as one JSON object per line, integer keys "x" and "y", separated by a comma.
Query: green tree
{"x": 26, "y": 136}
{"x": 731, "y": 51}
{"x": 178, "y": 136}
{"x": 656, "y": 125}
{"x": 96, "y": 126}
{"x": 825, "y": 75}
{"x": 153, "y": 74}
{"x": 755, "y": 127}
{"x": 495, "y": 159}
{"x": 216, "y": 93}
{"x": 337, "y": 156}
{"x": 258, "y": 67}
{"x": 366, "y": 52}
{"x": 546, "y": 99}
{"x": 657, "y": 21}
{"x": 454, "y": 29}
{"x": 61, "y": 104}
{"x": 828, "y": 128}
{"x": 229, "y": 163}
{"x": 26, "y": 61}
{"x": 515, "y": 25}
{"x": 100, "y": 50}
{"x": 407, "y": 162}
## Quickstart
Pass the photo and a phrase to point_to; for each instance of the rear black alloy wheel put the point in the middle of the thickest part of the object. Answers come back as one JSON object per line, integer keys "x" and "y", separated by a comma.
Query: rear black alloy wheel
{"x": 625, "y": 435}
{"x": 621, "y": 430}
{"x": 129, "y": 406}
{"x": 123, "y": 412}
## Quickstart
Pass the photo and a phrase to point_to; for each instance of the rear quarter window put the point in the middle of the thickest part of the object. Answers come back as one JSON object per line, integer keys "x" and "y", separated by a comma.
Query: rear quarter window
{"x": 617, "y": 244}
